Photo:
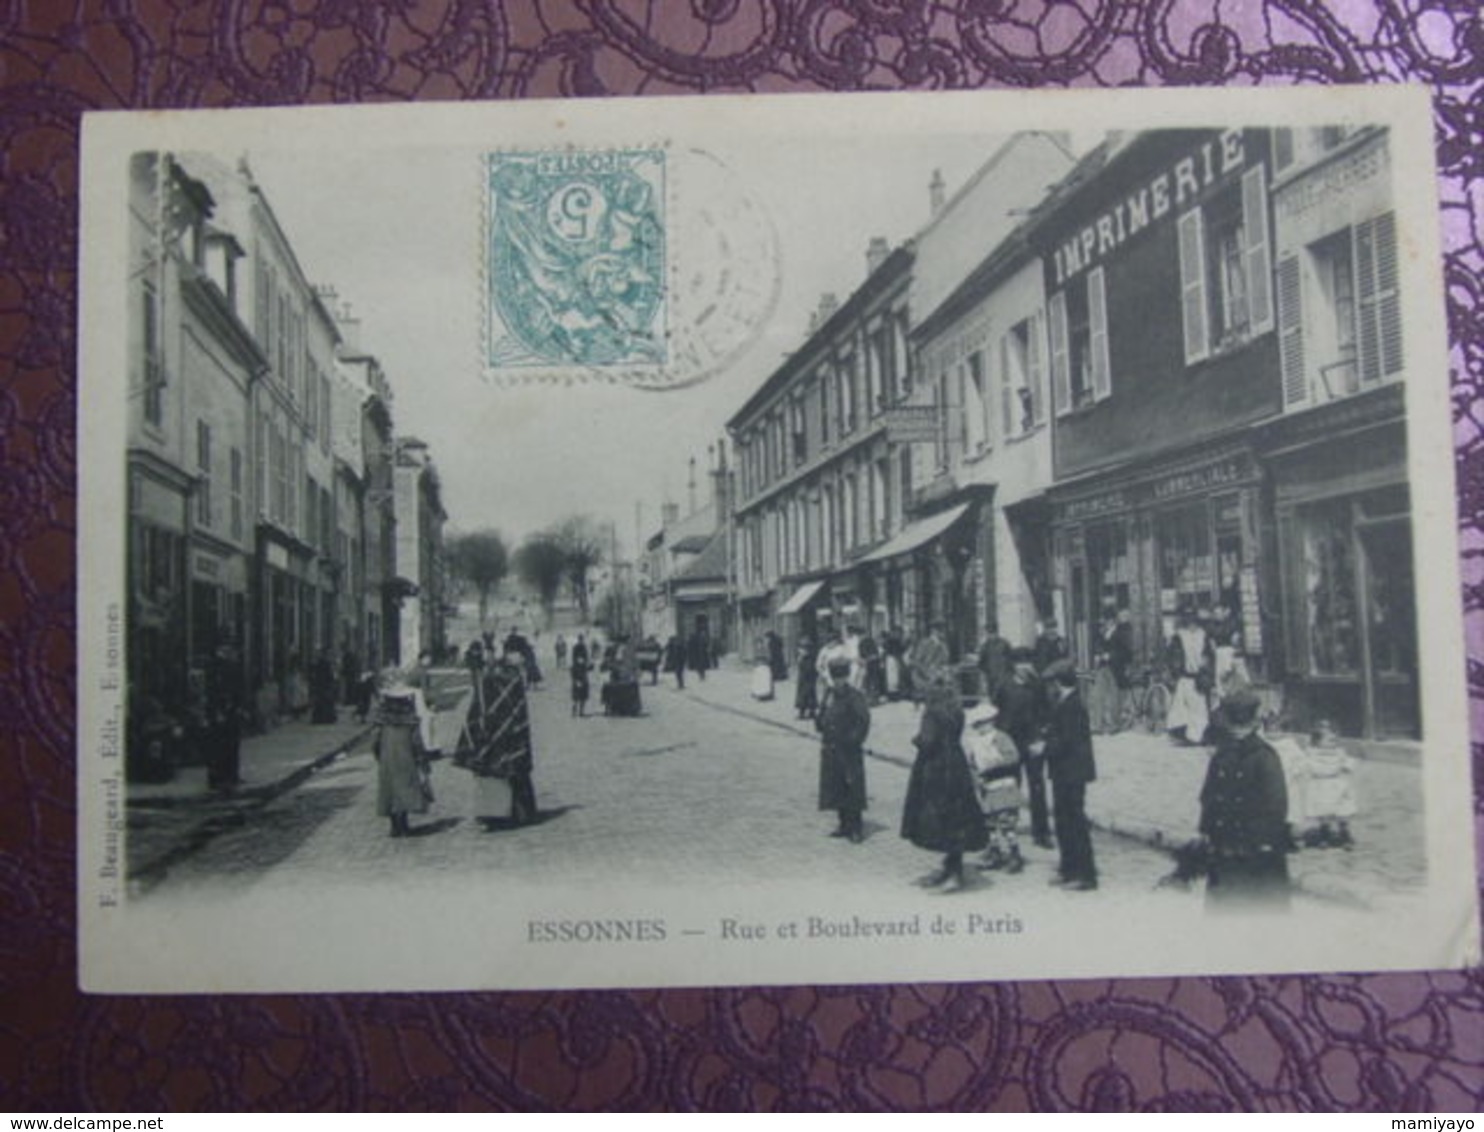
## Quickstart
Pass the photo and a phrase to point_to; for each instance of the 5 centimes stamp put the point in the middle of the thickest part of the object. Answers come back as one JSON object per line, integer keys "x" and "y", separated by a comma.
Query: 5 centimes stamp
{"x": 647, "y": 266}
{"x": 577, "y": 259}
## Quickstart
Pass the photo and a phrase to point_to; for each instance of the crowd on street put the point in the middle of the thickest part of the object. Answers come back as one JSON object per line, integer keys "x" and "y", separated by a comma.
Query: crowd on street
{"x": 1010, "y": 747}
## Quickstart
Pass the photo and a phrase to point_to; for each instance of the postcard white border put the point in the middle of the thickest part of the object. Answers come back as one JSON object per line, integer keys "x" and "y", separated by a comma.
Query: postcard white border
{"x": 127, "y": 948}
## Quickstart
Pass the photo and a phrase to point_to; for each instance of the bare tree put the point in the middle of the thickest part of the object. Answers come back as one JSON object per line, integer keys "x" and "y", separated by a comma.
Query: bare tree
{"x": 582, "y": 541}
{"x": 542, "y": 565}
{"x": 480, "y": 559}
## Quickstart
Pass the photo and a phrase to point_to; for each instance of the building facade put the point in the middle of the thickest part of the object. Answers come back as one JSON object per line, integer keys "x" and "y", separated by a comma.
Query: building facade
{"x": 1157, "y": 255}
{"x": 1343, "y": 565}
{"x": 817, "y": 487}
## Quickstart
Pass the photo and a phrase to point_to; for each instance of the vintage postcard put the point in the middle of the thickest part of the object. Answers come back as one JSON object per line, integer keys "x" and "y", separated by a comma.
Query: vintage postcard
{"x": 801, "y": 539}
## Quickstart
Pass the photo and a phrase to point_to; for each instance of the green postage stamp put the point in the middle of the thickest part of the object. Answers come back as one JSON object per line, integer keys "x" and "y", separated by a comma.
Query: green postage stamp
{"x": 577, "y": 260}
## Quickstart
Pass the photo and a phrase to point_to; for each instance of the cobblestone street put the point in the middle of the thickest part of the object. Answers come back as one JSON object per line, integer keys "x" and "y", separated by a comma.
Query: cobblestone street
{"x": 689, "y": 793}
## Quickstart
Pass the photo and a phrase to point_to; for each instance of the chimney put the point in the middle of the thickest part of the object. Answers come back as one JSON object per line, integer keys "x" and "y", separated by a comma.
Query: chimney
{"x": 937, "y": 192}
{"x": 876, "y": 252}
{"x": 828, "y": 305}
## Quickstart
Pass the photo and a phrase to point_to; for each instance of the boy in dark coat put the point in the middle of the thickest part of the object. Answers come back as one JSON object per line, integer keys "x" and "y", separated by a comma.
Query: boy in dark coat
{"x": 1244, "y": 811}
{"x": 1070, "y": 765}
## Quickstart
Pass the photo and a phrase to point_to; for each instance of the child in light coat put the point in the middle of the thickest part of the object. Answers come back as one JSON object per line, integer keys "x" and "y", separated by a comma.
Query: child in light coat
{"x": 1329, "y": 789}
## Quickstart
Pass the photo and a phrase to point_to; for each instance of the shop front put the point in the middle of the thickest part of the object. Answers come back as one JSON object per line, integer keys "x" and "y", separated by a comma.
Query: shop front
{"x": 1173, "y": 537}
{"x": 1346, "y": 567}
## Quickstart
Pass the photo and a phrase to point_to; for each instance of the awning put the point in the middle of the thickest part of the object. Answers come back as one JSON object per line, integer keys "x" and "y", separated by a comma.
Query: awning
{"x": 801, "y": 597}
{"x": 917, "y": 534}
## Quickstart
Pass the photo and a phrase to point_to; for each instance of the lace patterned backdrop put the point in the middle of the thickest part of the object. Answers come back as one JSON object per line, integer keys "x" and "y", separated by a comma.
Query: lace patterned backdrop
{"x": 1386, "y": 1042}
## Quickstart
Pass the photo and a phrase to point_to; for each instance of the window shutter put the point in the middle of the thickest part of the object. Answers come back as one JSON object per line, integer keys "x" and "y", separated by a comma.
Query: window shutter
{"x": 1192, "y": 238}
{"x": 1033, "y": 375}
{"x": 1061, "y": 374}
{"x": 1097, "y": 314}
{"x": 1369, "y": 301}
{"x": 1291, "y": 334}
{"x": 1009, "y": 424}
{"x": 1257, "y": 258}
{"x": 1380, "y": 303}
{"x": 1282, "y": 149}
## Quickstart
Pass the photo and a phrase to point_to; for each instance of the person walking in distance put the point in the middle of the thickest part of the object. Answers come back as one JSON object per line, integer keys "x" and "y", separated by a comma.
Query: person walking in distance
{"x": 675, "y": 660}
{"x": 1069, "y": 763}
{"x": 698, "y": 651}
{"x": 843, "y": 721}
{"x": 579, "y": 674}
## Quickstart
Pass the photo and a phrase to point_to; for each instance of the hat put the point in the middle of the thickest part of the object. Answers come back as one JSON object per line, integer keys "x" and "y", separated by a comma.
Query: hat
{"x": 1241, "y": 707}
{"x": 839, "y": 666}
{"x": 1022, "y": 655}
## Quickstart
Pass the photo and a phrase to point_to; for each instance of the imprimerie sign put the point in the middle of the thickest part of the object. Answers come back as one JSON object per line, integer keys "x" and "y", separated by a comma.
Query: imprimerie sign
{"x": 1211, "y": 162}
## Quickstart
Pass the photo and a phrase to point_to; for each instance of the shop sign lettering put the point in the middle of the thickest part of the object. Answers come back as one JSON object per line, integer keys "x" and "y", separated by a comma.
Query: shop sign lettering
{"x": 1200, "y": 479}
{"x": 1171, "y": 189}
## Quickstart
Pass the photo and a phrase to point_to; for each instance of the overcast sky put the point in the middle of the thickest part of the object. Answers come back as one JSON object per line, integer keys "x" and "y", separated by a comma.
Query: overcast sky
{"x": 399, "y": 240}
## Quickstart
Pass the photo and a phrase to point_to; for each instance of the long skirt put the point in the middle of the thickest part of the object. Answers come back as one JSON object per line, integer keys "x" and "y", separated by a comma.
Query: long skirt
{"x": 762, "y": 682}
{"x": 399, "y": 777}
{"x": 941, "y": 812}
{"x": 1103, "y": 703}
{"x": 1188, "y": 710}
{"x": 893, "y": 677}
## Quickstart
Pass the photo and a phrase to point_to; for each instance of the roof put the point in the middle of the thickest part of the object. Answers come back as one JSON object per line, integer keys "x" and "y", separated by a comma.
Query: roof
{"x": 896, "y": 266}
{"x": 710, "y": 565}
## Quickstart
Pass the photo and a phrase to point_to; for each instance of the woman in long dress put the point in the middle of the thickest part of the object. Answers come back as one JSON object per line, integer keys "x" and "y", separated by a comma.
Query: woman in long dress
{"x": 401, "y": 759}
{"x": 941, "y": 812}
{"x": 1190, "y": 662}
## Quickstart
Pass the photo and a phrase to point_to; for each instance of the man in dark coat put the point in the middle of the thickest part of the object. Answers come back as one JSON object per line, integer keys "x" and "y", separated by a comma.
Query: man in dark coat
{"x": 777, "y": 664}
{"x": 844, "y": 721}
{"x": 994, "y": 661}
{"x": 675, "y": 660}
{"x": 1244, "y": 808}
{"x": 223, "y": 733}
{"x": 1050, "y": 646}
{"x": 1022, "y": 707}
{"x": 1069, "y": 763}
{"x": 698, "y": 651}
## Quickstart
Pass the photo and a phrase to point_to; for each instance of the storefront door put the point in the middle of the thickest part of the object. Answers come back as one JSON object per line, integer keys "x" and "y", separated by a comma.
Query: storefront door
{"x": 1389, "y": 627}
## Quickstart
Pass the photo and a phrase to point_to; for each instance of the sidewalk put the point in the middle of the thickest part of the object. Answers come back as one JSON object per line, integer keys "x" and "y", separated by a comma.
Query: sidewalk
{"x": 1148, "y": 789}
{"x": 169, "y": 820}
{"x": 264, "y": 762}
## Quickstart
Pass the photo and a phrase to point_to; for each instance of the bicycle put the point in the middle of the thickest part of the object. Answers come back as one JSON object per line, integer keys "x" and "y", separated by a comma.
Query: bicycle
{"x": 1147, "y": 702}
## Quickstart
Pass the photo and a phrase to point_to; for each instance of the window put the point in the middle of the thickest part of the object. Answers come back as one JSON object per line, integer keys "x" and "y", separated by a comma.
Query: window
{"x": 880, "y": 501}
{"x": 1332, "y": 610}
{"x": 324, "y": 413}
{"x": 203, "y": 471}
{"x": 1079, "y": 343}
{"x": 1339, "y": 314}
{"x": 1186, "y": 566}
{"x": 154, "y": 366}
{"x": 1022, "y": 395}
{"x": 237, "y": 508}
{"x": 901, "y": 364}
{"x": 904, "y": 480}
{"x": 1226, "y": 297}
{"x": 798, "y": 431}
{"x": 849, "y": 528}
{"x": 976, "y": 404}
{"x": 824, "y": 408}
{"x": 940, "y": 399}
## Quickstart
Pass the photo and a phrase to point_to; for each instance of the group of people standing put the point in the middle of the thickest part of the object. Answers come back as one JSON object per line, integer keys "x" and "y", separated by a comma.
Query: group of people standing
{"x": 957, "y": 804}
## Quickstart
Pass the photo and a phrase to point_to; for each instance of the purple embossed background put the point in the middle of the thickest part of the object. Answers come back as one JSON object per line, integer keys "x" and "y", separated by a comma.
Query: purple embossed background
{"x": 1373, "y": 1042}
